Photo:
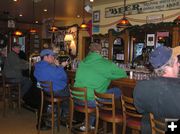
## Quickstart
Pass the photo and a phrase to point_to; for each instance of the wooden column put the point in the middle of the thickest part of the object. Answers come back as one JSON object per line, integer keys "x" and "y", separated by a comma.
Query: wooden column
{"x": 176, "y": 36}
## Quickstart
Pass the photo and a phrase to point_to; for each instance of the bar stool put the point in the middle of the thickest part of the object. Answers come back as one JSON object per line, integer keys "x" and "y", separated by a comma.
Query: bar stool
{"x": 11, "y": 93}
{"x": 106, "y": 111}
{"x": 50, "y": 98}
{"x": 79, "y": 96}
{"x": 157, "y": 126}
{"x": 131, "y": 118}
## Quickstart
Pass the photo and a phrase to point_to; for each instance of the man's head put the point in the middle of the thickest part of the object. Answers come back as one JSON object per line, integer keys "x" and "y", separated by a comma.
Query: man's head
{"x": 16, "y": 48}
{"x": 164, "y": 61}
{"x": 95, "y": 47}
{"x": 47, "y": 55}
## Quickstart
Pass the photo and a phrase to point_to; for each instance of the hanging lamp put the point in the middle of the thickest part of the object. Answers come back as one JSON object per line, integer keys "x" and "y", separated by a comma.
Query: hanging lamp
{"x": 124, "y": 22}
{"x": 32, "y": 29}
{"x": 53, "y": 28}
{"x": 177, "y": 20}
{"x": 83, "y": 26}
{"x": 18, "y": 33}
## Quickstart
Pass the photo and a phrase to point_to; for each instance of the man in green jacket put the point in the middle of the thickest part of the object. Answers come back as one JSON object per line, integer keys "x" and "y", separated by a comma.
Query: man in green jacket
{"x": 96, "y": 73}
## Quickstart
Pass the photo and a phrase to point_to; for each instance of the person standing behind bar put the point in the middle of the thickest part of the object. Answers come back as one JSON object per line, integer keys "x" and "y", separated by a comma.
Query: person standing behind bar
{"x": 96, "y": 73}
{"x": 160, "y": 95}
{"x": 14, "y": 66}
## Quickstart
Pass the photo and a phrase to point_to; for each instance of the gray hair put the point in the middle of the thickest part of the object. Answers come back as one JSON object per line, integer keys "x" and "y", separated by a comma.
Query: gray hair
{"x": 161, "y": 71}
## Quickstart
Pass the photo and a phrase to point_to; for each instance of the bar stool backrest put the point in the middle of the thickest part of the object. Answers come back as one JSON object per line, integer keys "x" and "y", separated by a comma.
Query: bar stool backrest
{"x": 157, "y": 126}
{"x": 78, "y": 95}
{"x": 105, "y": 102}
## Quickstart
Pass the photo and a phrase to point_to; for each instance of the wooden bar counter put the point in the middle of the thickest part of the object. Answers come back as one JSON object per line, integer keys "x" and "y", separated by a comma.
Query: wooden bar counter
{"x": 125, "y": 84}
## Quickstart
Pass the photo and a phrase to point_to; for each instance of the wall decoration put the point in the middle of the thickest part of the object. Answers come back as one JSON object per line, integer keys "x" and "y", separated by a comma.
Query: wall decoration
{"x": 96, "y": 16}
{"x": 156, "y": 18}
{"x": 150, "y": 39}
{"x": 95, "y": 28}
{"x": 68, "y": 47}
{"x": 142, "y": 7}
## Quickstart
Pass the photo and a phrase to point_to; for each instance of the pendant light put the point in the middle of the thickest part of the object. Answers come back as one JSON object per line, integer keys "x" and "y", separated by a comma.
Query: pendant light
{"x": 123, "y": 23}
{"x": 32, "y": 29}
{"x": 18, "y": 33}
{"x": 53, "y": 28}
{"x": 83, "y": 26}
{"x": 177, "y": 20}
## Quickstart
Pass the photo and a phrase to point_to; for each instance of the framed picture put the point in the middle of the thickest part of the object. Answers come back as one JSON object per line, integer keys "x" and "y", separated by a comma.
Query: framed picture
{"x": 150, "y": 39}
{"x": 96, "y": 16}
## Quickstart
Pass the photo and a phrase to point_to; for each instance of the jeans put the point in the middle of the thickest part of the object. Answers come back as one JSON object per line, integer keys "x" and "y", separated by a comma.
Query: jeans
{"x": 91, "y": 103}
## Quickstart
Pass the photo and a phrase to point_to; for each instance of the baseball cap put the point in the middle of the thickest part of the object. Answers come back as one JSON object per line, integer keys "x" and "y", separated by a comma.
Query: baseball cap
{"x": 160, "y": 56}
{"x": 47, "y": 52}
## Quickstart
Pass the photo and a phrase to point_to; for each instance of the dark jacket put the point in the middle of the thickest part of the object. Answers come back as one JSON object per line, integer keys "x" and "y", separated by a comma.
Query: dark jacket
{"x": 161, "y": 96}
{"x": 14, "y": 65}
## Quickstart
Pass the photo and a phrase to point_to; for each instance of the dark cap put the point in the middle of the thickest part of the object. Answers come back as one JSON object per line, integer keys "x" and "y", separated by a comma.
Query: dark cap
{"x": 46, "y": 52}
{"x": 160, "y": 56}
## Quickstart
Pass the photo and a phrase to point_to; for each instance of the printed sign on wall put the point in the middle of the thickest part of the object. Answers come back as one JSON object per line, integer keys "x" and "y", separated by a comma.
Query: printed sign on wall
{"x": 142, "y": 7}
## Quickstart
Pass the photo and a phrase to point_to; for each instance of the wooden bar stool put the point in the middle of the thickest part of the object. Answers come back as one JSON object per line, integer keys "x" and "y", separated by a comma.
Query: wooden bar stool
{"x": 79, "y": 96}
{"x": 106, "y": 111}
{"x": 50, "y": 98}
{"x": 11, "y": 93}
{"x": 157, "y": 127}
{"x": 131, "y": 118}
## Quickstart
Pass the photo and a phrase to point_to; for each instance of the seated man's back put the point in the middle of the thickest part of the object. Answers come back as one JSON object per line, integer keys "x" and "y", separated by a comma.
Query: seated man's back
{"x": 159, "y": 95}
{"x": 96, "y": 73}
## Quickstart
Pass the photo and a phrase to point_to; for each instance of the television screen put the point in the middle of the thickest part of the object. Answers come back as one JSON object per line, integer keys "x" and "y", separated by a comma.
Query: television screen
{"x": 138, "y": 49}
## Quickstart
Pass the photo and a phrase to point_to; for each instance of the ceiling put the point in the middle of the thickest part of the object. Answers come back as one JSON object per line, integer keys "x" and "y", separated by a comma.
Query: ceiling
{"x": 64, "y": 9}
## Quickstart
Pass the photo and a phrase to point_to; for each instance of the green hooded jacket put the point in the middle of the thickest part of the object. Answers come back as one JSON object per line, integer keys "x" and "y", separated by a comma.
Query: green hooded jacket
{"x": 96, "y": 73}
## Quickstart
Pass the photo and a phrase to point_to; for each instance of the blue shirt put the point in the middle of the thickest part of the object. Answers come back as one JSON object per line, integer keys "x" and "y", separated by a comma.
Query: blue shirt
{"x": 45, "y": 71}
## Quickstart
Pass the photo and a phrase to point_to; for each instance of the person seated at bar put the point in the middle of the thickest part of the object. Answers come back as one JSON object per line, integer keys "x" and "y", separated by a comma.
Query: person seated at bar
{"x": 48, "y": 69}
{"x": 159, "y": 95}
{"x": 96, "y": 73}
{"x": 14, "y": 67}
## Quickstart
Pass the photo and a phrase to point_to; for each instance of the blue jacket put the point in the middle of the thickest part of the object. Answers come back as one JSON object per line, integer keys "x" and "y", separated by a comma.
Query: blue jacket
{"x": 45, "y": 71}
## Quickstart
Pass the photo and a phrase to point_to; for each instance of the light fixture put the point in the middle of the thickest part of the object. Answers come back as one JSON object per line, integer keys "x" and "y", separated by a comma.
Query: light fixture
{"x": 83, "y": 26}
{"x": 45, "y": 10}
{"x": 124, "y": 22}
{"x": 68, "y": 37}
{"x": 177, "y": 20}
{"x": 32, "y": 29}
{"x": 69, "y": 40}
{"x": 18, "y": 33}
{"x": 53, "y": 28}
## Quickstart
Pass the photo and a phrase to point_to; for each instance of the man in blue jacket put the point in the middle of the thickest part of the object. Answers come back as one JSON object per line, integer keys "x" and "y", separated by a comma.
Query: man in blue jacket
{"x": 49, "y": 70}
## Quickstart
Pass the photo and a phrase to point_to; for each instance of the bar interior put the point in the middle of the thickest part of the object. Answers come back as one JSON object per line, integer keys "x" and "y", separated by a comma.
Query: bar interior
{"x": 89, "y": 66}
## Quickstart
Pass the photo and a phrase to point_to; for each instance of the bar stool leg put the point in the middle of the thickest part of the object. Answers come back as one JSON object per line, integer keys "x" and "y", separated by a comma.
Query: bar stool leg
{"x": 52, "y": 118}
{"x": 40, "y": 112}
